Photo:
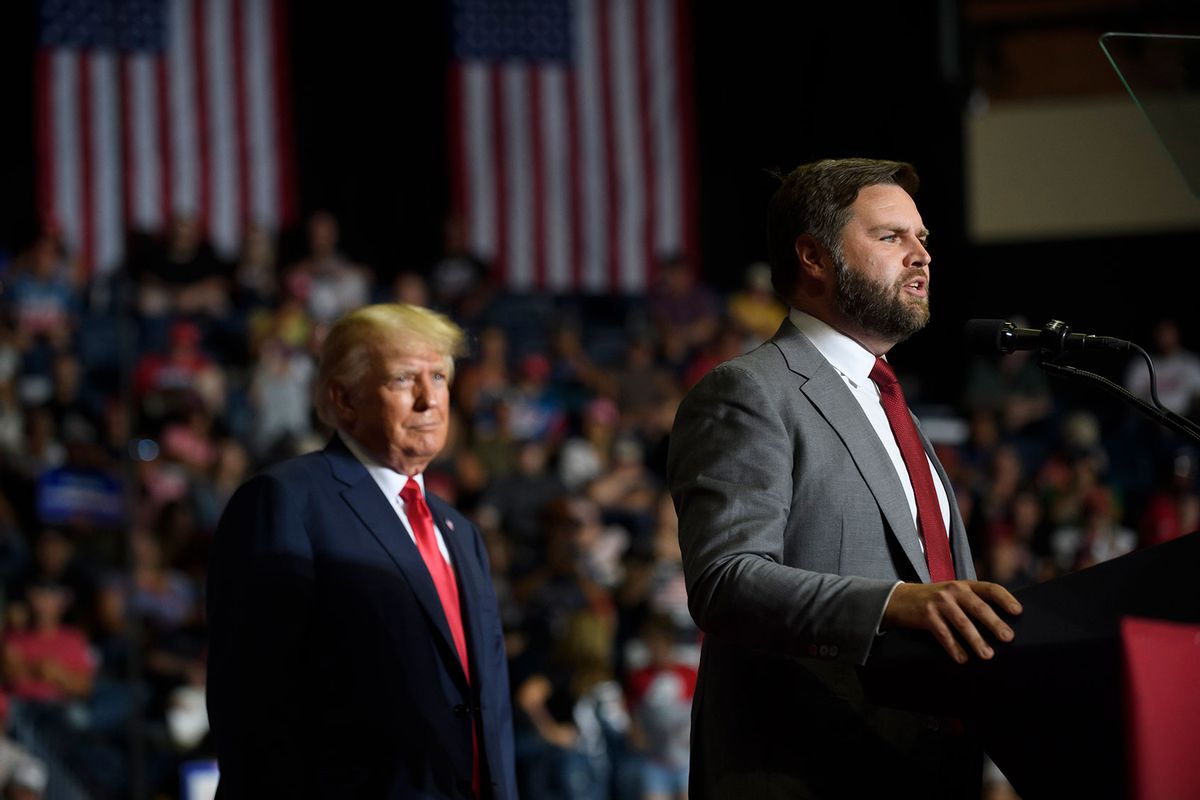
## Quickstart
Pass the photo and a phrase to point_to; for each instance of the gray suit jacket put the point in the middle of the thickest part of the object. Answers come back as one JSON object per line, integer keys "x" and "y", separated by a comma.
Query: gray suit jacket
{"x": 794, "y": 528}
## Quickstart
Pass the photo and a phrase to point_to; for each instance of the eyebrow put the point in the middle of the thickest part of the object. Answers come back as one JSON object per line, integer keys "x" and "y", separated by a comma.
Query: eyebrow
{"x": 923, "y": 233}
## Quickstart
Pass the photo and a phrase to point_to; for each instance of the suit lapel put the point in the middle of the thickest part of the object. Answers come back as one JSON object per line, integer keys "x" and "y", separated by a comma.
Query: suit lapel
{"x": 364, "y": 499}
{"x": 471, "y": 582}
{"x": 828, "y": 393}
{"x": 960, "y": 548}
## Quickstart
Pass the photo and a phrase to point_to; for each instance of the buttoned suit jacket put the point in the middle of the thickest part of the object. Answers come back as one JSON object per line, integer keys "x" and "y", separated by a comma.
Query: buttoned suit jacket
{"x": 332, "y": 672}
{"x": 794, "y": 528}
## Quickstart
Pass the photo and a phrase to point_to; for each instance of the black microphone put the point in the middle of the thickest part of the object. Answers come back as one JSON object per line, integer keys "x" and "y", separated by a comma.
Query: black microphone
{"x": 1055, "y": 337}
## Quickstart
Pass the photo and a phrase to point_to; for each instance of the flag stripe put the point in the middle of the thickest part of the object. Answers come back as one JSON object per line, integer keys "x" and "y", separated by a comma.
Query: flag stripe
{"x": 631, "y": 268}
{"x": 557, "y": 169}
{"x": 518, "y": 175}
{"x": 67, "y": 209}
{"x": 611, "y": 190}
{"x": 165, "y": 141}
{"x": 666, "y": 127}
{"x": 199, "y": 98}
{"x": 128, "y": 151}
{"x": 220, "y": 104}
{"x": 241, "y": 139}
{"x": 572, "y": 153}
{"x": 144, "y": 156}
{"x": 87, "y": 177}
{"x": 499, "y": 155}
{"x": 479, "y": 139}
{"x": 265, "y": 207}
{"x": 537, "y": 189}
{"x": 106, "y": 158}
{"x": 591, "y": 127}
{"x": 184, "y": 125}
{"x": 649, "y": 167}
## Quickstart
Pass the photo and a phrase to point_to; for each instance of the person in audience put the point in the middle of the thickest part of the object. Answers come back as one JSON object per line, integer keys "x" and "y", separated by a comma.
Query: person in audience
{"x": 23, "y": 776}
{"x": 43, "y": 298}
{"x": 755, "y": 310}
{"x": 327, "y": 282}
{"x": 1098, "y": 537}
{"x": 1176, "y": 367}
{"x": 577, "y": 715}
{"x": 684, "y": 311}
{"x": 660, "y": 702}
{"x": 50, "y": 662}
{"x": 183, "y": 276}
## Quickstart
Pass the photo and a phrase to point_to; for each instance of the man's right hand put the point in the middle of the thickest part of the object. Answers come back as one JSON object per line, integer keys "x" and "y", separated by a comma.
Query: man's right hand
{"x": 949, "y": 607}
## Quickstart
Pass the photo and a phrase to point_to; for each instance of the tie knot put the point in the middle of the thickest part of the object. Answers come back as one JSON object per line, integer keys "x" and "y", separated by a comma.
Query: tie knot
{"x": 411, "y": 493}
{"x": 882, "y": 374}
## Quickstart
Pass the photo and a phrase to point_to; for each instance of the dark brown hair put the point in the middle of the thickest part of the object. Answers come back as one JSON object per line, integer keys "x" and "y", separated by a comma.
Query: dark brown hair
{"x": 815, "y": 199}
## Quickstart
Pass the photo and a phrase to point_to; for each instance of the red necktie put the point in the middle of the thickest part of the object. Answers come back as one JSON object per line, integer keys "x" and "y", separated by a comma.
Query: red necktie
{"x": 447, "y": 588}
{"x": 929, "y": 514}
{"x": 443, "y": 576}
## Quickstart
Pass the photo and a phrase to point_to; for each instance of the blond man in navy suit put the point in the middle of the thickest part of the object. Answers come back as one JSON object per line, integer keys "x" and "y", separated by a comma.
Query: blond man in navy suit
{"x": 337, "y": 668}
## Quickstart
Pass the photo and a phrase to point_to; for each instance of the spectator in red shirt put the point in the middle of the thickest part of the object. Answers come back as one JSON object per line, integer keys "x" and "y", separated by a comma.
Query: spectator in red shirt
{"x": 184, "y": 370}
{"x": 48, "y": 662}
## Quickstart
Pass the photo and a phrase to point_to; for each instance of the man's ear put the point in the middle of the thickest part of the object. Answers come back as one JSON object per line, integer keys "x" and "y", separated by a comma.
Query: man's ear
{"x": 811, "y": 256}
{"x": 343, "y": 402}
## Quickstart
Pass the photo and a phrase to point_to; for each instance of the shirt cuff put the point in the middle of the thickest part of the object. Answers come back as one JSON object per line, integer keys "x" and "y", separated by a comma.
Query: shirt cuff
{"x": 879, "y": 627}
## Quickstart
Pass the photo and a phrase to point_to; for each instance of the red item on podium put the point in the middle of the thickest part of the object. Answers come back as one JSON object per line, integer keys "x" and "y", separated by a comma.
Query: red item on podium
{"x": 1162, "y": 707}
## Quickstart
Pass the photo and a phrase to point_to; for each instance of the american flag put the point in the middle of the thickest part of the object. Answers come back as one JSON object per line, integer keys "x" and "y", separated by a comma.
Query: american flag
{"x": 572, "y": 143}
{"x": 151, "y": 108}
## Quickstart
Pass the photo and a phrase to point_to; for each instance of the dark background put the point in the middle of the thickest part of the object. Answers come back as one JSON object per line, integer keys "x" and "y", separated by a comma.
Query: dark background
{"x": 776, "y": 84}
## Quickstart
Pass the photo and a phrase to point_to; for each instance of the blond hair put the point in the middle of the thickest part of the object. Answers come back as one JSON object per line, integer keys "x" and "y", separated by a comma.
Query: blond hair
{"x": 347, "y": 350}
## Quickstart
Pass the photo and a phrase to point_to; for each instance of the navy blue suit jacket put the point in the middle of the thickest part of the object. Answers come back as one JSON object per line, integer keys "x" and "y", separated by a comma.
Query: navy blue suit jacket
{"x": 332, "y": 673}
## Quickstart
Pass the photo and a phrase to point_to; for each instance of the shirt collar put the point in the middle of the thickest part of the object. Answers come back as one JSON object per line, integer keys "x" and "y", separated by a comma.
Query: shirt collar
{"x": 845, "y": 355}
{"x": 388, "y": 479}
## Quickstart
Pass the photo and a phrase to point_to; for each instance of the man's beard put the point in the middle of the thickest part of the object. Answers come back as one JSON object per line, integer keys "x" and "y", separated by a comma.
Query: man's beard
{"x": 879, "y": 308}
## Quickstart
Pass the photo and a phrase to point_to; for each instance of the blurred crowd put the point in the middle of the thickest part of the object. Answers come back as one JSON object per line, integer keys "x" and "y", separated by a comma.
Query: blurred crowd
{"x": 132, "y": 406}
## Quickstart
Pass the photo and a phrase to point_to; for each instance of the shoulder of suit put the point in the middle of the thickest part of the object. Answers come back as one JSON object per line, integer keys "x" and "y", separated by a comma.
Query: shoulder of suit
{"x": 766, "y": 364}
{"x": 302, "y": 468}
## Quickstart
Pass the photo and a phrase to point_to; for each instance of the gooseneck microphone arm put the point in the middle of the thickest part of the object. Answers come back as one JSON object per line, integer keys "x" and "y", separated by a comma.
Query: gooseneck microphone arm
{"x": 1157, "y": 412}
{"x": 1054, "y": 341}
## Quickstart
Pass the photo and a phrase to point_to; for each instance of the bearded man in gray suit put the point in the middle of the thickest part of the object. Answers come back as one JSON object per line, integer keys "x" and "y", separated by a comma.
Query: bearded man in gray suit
{"x": 814, "y": 517}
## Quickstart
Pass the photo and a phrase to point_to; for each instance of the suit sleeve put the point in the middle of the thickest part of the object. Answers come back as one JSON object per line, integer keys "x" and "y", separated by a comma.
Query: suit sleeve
{"x": 730, "y": 469}
{"x": 259, "y": 601}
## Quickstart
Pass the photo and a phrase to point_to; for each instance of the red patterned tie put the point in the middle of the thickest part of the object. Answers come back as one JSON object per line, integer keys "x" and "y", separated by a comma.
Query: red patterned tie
{"x": 929, "y": 514}
{"x": 447, "y": 588}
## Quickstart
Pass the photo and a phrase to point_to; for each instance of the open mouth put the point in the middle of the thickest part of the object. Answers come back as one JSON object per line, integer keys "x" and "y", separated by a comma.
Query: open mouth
{"x": 918, "y": 286}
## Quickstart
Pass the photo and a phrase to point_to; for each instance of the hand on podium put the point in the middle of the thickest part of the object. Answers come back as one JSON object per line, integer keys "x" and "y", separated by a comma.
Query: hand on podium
{"x": 944, "y": 608}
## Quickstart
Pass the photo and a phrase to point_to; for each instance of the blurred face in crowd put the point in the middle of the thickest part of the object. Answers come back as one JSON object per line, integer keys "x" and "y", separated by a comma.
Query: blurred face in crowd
{"x": 322, "y": 233}
{"x": 882, "y": 274}
{"x": 48, "y": 604}
{"x": 400, "y": 409}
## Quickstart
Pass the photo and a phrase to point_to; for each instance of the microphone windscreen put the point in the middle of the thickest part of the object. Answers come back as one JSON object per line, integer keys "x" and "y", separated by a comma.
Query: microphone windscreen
{"x": 983, "y": 335}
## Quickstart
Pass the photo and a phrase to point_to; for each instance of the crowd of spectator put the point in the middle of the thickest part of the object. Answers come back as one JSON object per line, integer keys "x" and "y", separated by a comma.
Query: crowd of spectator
{"x": 132, "y": 407}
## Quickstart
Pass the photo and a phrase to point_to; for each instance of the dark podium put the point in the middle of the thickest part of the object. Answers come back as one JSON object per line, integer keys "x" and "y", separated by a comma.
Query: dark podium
{"x": 1048, "y": 706}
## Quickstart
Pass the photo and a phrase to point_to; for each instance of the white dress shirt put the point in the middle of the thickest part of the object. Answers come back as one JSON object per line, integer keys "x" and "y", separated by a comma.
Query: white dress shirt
{"x": 391, "y": 483}
{"x": 854, "y": 363}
